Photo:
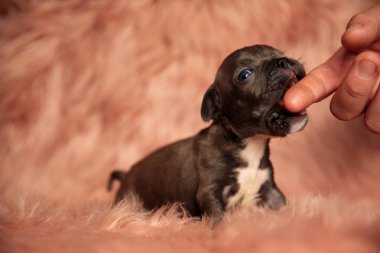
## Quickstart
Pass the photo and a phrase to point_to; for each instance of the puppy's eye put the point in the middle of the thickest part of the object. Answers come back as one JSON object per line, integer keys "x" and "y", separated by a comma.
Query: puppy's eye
{"x": 244, "y": 74}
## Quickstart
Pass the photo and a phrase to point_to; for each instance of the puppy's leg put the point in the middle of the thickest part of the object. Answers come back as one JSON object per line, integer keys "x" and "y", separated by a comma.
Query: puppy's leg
{"x": 271, "y": 196}
{"x": 210, "y": 204}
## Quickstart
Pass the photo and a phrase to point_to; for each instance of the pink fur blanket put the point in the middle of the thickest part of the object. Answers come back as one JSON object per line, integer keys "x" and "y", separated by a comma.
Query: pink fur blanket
{"x": 90, "y": 86}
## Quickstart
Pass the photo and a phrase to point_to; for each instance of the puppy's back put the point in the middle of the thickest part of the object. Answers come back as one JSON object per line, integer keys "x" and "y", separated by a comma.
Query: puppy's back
{"x": 165, "y": 176}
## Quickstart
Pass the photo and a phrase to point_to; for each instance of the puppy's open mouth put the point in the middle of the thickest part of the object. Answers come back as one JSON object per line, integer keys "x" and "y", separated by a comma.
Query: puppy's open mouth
{"x": 280, "y": 103}
{"x": 297, "y": 120}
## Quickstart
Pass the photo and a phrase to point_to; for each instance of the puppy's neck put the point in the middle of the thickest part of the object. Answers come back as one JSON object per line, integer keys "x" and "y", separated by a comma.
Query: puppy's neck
{"x": 223, "y": 132}
{"x": 224, "y": 123}
{"x": 259, "y": 138}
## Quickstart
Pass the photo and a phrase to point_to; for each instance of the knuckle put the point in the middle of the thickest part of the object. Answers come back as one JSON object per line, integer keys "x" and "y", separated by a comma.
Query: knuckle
{"x": 356, "y": 91}
{"x": 372, "y": 124}
{"x": 340, "y": 112}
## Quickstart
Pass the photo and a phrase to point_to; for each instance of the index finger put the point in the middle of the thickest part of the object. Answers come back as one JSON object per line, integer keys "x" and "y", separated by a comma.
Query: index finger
{"x": 320, "y": 82}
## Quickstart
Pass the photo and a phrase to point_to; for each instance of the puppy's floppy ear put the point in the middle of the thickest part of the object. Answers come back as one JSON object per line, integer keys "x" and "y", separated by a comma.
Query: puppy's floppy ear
{"x": 211, "y": 104}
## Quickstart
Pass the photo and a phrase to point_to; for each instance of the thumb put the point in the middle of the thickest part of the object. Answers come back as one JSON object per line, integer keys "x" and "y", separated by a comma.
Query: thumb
{"x": 320, "y": 82}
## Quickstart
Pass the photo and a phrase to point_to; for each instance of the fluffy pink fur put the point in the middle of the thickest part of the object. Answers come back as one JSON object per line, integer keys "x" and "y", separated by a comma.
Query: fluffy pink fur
{"x": 89, "y": 86}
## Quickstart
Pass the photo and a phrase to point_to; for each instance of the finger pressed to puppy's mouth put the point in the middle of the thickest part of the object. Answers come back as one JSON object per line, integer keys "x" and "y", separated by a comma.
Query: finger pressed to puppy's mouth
{"x": 282, "y": 121}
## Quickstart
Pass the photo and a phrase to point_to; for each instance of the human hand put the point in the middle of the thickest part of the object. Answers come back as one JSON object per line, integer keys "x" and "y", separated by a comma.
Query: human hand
{"x": 352, "y": 73}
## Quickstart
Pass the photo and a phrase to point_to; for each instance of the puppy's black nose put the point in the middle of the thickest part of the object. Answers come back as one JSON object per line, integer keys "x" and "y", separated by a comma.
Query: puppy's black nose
{"x": 283, "y": 63}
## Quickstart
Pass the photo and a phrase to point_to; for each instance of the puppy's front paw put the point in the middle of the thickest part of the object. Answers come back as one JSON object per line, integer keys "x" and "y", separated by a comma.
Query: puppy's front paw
{"x": 275, "y": 200}
{"x": 271, "y": 196}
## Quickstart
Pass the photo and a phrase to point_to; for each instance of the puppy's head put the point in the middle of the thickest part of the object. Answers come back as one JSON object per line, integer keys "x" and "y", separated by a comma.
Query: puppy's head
{"x": 246, "y": 96}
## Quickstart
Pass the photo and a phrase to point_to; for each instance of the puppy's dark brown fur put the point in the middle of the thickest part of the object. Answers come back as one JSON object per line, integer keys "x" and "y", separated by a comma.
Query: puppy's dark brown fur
{"x": 226, "y": 164}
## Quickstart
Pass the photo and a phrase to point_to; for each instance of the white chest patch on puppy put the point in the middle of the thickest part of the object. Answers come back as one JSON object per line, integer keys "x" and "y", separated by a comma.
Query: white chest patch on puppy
{"x": 250, "y": 178}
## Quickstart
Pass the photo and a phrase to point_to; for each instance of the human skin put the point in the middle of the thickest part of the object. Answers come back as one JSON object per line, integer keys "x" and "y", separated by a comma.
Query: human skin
{"x": 351, "y": 73}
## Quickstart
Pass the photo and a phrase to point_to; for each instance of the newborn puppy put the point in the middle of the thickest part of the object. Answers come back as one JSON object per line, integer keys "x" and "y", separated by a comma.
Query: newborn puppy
{"x": 226, "y": 164}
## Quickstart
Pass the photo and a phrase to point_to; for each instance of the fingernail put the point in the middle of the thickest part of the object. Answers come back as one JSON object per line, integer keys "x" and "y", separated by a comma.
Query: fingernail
{"x": 367, "y": 69}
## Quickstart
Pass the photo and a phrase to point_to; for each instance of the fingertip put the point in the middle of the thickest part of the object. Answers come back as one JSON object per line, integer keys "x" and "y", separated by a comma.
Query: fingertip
{"x": 351, "y": 40}
{"x": 361, "y": 31}
{"x": 296, "y": 99}
{"x": 356, "y": 39}
{"x": 306, "y": 92}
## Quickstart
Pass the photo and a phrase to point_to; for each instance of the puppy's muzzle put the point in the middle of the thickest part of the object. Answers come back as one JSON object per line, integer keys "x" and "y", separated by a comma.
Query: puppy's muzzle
{"x": 284, "y": 73}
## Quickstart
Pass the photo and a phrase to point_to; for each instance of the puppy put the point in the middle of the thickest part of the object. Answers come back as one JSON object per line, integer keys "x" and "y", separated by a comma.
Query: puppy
{"x": 226, "y": 164}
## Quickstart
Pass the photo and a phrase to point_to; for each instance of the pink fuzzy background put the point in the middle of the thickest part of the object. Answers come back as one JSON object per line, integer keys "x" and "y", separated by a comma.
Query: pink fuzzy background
{"x": 89, "y": 86}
